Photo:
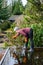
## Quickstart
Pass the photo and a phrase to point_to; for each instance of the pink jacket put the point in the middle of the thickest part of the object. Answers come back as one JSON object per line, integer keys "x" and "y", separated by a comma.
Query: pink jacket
{"x": 23, "y": 31}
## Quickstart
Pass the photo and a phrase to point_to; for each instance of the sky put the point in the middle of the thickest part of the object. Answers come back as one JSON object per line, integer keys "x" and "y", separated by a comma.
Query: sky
{"x": 23, "y": 1}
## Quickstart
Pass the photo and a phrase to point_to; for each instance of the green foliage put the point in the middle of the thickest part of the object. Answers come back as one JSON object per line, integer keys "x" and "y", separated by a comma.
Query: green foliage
{"x": 38, "y": 34}
{"x": 4, "y": 12}
{"x": 34, "y": 9}
{"x": 12, "y": 26}
{"x": 6, "y": 44}
{"x": 17, "y": 7}
{"x": 5, "y": 25}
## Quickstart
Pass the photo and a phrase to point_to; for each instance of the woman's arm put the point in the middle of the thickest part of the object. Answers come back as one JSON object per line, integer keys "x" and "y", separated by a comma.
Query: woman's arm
{"x": 16, "y": 35}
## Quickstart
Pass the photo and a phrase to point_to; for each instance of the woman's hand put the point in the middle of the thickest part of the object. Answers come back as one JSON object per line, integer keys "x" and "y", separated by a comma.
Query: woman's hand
{"x": 14, "y": 37}
{"x": 26, "y": 39}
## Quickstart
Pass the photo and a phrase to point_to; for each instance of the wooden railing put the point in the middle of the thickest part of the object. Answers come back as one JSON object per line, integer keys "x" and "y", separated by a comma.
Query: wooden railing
{"x": 5, "y": 59}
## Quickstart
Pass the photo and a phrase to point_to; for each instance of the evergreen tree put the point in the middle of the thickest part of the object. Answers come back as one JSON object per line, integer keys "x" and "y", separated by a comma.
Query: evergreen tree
{"x": 17, "y": 7}
{"x": 4, "y": 12}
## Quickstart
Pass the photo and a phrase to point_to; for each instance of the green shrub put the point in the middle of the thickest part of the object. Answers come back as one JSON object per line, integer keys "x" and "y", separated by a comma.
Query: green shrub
{"x": 5, "y": 25}
{"x": 38, "y": 34}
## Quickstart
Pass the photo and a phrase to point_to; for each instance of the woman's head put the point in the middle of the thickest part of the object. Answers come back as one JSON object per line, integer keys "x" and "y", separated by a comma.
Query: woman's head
{"x": 16, "y": 28}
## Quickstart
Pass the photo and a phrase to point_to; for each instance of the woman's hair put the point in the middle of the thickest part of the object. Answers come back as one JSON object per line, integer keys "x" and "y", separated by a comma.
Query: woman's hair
{"x": 16, "y": 28}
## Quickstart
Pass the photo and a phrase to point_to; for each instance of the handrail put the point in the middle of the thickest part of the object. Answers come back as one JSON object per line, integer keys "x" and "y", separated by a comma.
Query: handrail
{"x": 4, "y": 56}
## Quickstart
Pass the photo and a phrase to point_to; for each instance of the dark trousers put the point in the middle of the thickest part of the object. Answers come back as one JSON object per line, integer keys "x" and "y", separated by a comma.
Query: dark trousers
{"x": 30, "y": 36}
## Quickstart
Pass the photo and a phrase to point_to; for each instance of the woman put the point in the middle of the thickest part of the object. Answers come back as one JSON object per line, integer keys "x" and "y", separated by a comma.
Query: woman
{"x": 28, "y": 33}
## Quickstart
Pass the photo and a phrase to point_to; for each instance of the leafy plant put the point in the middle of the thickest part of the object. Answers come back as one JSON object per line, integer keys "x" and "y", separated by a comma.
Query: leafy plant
{"x": 5, "y": 25}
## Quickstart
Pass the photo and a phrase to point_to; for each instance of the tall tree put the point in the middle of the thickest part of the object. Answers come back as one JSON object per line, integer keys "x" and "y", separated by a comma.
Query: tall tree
{"x": 17, "y": 7}
{"x": 34, "y": 9}
{"x": 4, "y": 12}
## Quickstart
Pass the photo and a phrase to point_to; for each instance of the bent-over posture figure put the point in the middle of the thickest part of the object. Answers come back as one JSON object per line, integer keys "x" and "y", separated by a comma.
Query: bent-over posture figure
{"x": 28, "y": 33}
